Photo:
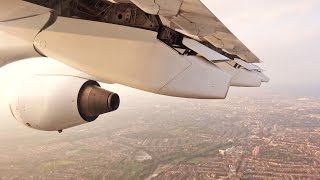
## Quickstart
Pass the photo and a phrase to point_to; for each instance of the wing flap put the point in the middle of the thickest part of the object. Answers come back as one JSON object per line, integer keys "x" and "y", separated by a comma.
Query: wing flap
{"x": 203, "y": 50}
{"x": 196, "y": 19}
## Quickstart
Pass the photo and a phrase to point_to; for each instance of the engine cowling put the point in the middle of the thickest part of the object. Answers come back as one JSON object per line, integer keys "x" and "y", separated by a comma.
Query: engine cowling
{"x": 54, "y": 102}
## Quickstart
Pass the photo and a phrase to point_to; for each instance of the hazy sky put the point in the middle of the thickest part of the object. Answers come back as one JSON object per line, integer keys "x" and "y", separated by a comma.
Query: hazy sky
{"x": 284, "y": 34}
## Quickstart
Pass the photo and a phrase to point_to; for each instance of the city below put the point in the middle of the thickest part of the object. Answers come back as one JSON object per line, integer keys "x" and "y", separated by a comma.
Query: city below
{"x": 258, "y": 137}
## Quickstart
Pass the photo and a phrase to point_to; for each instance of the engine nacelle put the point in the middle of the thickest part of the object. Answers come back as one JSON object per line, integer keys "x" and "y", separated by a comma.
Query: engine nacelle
{"x": 54, "y": 102}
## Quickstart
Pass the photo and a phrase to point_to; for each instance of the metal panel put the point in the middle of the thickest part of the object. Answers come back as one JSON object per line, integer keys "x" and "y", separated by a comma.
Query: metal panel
{"x": 246, "y": 65}
{"x": 17, "y": 9}
{"x": 159, "y": 7}
{"x": 243, "y": 77}
{"x": 201, "y": 80}
{"x": 17, "y": 36}
{"x": 203, "y": 50}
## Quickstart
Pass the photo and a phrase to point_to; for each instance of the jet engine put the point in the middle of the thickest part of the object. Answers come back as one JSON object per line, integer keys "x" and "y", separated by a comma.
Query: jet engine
{"x": 57, "y": 102}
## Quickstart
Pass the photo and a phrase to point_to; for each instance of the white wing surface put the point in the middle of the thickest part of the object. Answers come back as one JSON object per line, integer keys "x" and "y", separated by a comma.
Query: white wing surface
{"x": 170, "y": 47}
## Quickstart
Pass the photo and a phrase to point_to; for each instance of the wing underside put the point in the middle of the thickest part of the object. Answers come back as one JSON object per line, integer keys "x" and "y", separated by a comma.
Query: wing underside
{"x": 194, "y": 19}
{"x": 171, "y": 47}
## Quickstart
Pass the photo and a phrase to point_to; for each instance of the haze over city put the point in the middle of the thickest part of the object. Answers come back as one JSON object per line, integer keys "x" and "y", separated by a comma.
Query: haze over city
{"x": 255, "y": 133}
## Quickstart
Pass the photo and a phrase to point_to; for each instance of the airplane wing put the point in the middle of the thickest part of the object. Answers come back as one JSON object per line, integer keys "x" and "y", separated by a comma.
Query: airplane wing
{"x": 194, "y": 19}
{"x": 170, "y": 47}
